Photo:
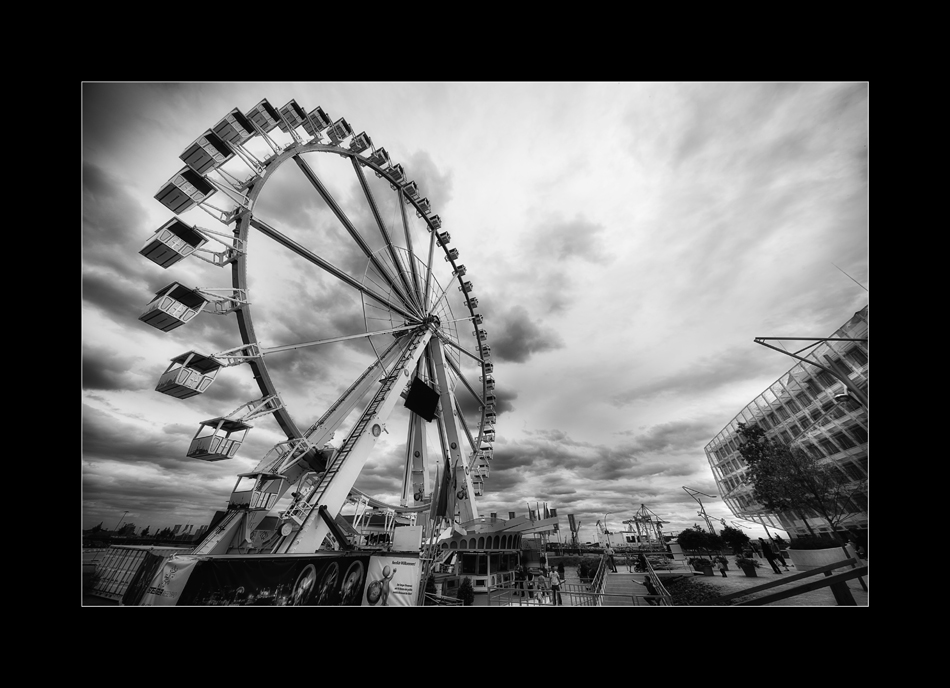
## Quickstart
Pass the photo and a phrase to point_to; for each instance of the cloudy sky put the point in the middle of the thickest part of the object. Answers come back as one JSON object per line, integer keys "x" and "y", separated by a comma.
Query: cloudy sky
{"x": 626, "y": 242}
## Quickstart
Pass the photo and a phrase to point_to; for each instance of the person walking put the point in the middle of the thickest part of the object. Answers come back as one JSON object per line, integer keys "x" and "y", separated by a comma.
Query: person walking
{"x": 556, "y": 587}
{"x": 609, "y": 551}
{"x": 560, "y": 571}
{"x": 778, "y": 552}
{"x": 519, "y": 581}
{"x": 769, "y": 556}
{"x": 651, "y": 590}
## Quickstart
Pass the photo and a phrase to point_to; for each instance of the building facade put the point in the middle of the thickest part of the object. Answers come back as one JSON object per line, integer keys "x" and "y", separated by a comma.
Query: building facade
{"x": 801, "y": 409}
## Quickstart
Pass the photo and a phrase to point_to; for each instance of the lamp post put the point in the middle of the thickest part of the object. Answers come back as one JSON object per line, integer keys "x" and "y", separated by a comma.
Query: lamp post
{"x": 843, "y": 379}
{"x": 692, "y": 493}
{"x": 120, "y": 521}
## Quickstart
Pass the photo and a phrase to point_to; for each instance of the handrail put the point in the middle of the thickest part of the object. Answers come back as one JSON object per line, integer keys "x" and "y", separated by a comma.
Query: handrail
{"x": 785, "y": 580}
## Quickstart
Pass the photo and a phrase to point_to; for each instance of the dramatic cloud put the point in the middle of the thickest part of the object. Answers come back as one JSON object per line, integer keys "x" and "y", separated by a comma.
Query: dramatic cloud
{"x": 516, "y": 337}
{"x": 626, "y": 243}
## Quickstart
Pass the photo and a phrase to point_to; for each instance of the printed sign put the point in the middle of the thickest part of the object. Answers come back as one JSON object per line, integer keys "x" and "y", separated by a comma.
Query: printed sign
{"x": 322, "y": 579}
{"x": 393, "y": 581}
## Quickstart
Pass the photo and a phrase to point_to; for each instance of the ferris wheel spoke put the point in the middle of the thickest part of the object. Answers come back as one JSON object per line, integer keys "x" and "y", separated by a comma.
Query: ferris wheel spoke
{"x": 425, "y": 298}
{"x": 301, "y": 345}
{"x": 412, "y": 263}
{"x": 461, "y": 378}
{"x": 468, "y": 433}
{"x": 309, "y": 255}
{"x": 354, "y": 234}
{"x": 383, "y": 231}
{"x": 459, "y": 347}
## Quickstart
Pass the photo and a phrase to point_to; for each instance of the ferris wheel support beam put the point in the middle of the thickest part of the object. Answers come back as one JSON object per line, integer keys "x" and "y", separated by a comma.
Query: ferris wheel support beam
{"x": 289, "y": 243}
{"x": 334, "y": 486}
{"x": 354, "y": 234}
{"x": 466, "y": 507}
{"x": 416, "y": 481}
{"x": 385, "y": 232}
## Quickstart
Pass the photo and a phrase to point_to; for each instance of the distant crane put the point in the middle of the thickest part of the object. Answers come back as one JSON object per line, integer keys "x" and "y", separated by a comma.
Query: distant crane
{"x": 648, "y": 526}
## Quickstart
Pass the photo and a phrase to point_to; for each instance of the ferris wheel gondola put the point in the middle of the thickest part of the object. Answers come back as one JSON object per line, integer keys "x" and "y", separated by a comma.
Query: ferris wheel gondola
{"x": 419, "y": 342}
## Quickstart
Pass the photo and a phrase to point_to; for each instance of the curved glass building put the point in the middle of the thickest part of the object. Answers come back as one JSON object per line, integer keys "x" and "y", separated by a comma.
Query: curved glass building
{"x": 801, "y": 408}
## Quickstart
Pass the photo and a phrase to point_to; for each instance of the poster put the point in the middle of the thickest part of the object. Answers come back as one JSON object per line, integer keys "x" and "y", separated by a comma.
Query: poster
{"x": 323, "y": 579}
{"x": 393, "y": 581}
{"x": 171, "y": 580}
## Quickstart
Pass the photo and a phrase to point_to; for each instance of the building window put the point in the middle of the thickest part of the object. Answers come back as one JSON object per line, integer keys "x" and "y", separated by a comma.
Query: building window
{"x": 805, "y": 421}
{"x": 859, "y": 433}
{"x": 828, "y": 446}
{"x": 803, "y": 399}
{"x": 861, "y": 499}
{"x": 843, "y": 440}
{"x": 785, "y": 436}
{"x": 853, "y": 471}
{"x": 795, "y": 430}
{"x": 793, "y": 406}
{"x": 862, "y": 461}
{"x": 827, "y": 380}
{"x": 857, "y": 356}
{"x": 782, "y": 412}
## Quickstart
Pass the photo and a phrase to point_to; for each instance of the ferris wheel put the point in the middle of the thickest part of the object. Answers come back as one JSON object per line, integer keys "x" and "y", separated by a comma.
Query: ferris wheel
{"x": 415, "y": 312}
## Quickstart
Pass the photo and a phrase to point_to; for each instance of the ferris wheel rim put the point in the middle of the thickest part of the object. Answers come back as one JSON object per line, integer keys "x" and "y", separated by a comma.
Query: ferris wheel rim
{"x": 245, "y": 316}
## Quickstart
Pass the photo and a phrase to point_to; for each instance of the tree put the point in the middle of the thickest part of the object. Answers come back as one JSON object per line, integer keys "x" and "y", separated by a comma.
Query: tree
{"x": 734, "y": 538}
{"x": 430, "y": 590}
{"x": 466, "y": 592}
{"x": 127, "y": 529}
{"x": 144, "y": 533}
{"x": 696, "y": 538}
{"x": 786, "y": 478}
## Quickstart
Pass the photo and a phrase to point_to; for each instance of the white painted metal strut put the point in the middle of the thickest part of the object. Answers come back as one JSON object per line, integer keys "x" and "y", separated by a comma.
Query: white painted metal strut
{"x": 334, "y": 487}
{"x": 466, "y": 507}
{"x": 220, "y": 542}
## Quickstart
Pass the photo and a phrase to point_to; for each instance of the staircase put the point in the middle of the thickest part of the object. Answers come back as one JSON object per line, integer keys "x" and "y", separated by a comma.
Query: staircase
{"x": 621, "y": 584}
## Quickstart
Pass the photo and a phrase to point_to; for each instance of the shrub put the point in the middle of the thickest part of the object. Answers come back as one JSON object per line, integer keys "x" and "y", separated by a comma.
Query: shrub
{"x": 687, "y": 591}
{"x": 587, "y": 568}
{"x": 746, "y": 561}
{"x": 814, "y": 542}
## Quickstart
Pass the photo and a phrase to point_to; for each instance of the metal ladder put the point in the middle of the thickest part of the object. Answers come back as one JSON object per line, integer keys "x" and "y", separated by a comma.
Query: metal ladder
{"x": 302, "y": 509}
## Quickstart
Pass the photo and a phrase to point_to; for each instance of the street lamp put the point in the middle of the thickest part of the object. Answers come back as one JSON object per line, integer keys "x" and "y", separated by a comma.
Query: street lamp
{"x": 120, "y": 521}
{"x": 692, "y": 493}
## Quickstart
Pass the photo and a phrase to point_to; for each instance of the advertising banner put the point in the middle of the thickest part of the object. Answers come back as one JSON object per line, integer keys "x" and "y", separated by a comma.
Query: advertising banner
{"x": 324, "y": 579}
{"x": 393, "y": 581}
{"x": 166, "y": 588}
